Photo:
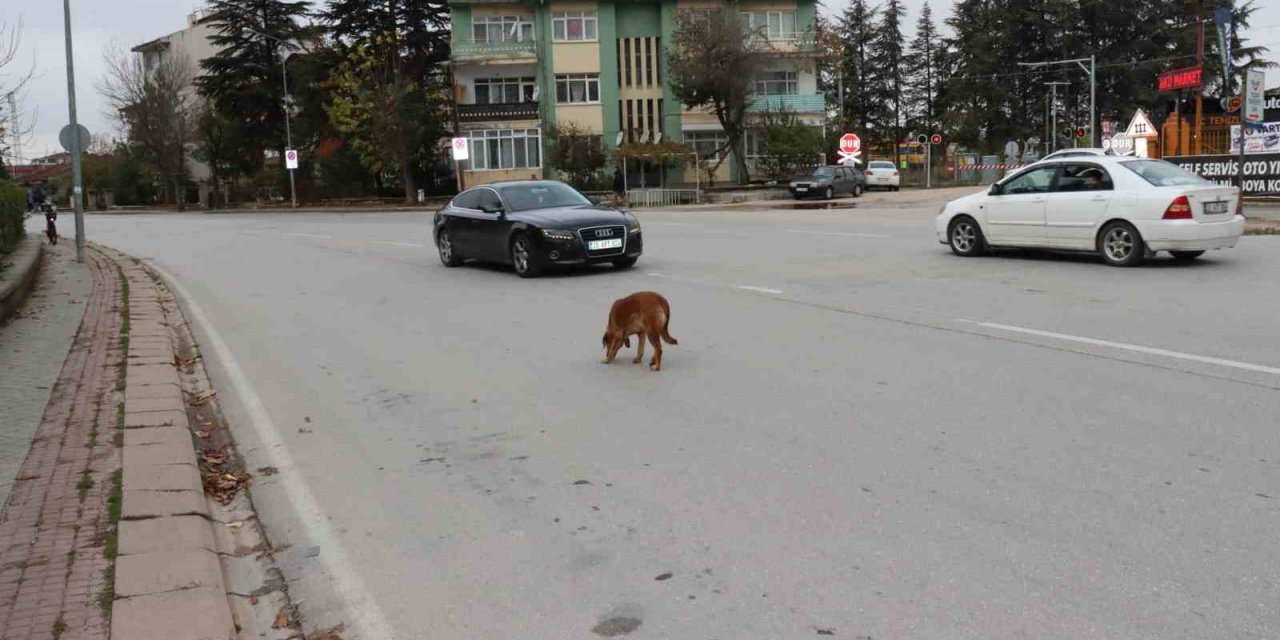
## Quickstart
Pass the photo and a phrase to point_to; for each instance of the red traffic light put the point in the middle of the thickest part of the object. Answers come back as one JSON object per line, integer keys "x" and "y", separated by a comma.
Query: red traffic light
{"x": 1079, "y": 132}
{"x": 936, "y": 138}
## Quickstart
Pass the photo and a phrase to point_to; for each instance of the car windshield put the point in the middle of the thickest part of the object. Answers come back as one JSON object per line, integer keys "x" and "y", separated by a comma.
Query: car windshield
{"x": 542, "y": 195}
{"x": 1164, "y": 174}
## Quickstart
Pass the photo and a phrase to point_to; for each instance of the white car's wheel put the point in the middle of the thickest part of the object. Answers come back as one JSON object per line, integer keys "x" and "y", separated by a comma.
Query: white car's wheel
{"x": 965, "y": 237}
{"x": 1121, "y": 245}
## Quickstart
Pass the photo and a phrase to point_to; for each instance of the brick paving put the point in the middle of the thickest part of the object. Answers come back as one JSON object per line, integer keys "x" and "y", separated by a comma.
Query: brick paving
{"x": 55, "y": 525}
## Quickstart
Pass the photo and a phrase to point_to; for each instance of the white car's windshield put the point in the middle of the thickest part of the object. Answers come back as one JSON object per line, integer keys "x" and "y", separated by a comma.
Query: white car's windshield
{"x": 1164, "y": 174}
{"x": 542, "y": 195}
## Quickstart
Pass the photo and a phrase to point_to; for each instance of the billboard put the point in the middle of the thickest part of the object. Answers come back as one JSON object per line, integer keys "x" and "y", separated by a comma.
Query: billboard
{"x": 1264, "y": 140}
{"x": 1261, "y": 172}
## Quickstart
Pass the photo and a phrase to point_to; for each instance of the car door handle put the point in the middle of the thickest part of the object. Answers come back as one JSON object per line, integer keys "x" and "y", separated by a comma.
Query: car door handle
{"x": 1098, "y": 199}
{"x": 1038, "y": 201}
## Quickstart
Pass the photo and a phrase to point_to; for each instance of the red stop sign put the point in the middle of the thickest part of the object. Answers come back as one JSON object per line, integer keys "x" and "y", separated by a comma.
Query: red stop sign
{"x": 850, "y": 143}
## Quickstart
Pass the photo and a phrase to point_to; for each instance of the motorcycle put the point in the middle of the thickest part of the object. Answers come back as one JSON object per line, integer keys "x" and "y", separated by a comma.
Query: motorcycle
{"x": 50, "y": 215}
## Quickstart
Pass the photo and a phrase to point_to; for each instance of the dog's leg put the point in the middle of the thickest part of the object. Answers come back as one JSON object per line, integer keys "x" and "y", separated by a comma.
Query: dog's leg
{"x": 639, "y": 349}
{"x": 656, "y": 363}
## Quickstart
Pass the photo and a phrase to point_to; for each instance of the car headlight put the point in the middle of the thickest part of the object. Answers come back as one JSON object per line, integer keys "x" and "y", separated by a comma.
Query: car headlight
{"x": 557, "y": 234}
{"x": 633, "y": 226}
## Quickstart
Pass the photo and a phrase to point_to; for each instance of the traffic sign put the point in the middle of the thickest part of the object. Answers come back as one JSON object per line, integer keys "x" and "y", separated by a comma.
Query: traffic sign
{"x": 850, "y": 143}
{"x": 1122, "y": 144}
{"x": 850, "y": 149}
{"x": 922, "y": 138}
{"x": 460, "y": 149}
{"x": 936, "y": 138}
{"x": 1011, "y": 149}
{"x": 68, "y": 136}
{"x": 1106, "y": 142}
{"x": 291, "y": 159}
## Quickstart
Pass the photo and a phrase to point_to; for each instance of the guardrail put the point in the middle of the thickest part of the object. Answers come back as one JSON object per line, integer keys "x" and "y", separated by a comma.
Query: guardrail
{"x": 793, "y": 102}
{"x": 490, "y": 112}
{"x": 663, "y": 197}
{"x": 471, "y": 49}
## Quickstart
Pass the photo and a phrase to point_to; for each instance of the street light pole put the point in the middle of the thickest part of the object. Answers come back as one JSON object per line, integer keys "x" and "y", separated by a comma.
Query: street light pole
{"x": 75, "y": 137}
{"x": 1092, "y": 70}
{"x": 1053, "y": 112}
{"x": 288, "y": 129}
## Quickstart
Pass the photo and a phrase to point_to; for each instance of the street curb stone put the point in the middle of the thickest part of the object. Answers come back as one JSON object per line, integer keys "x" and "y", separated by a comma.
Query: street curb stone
{"x": 155, "y": 504}
{"x": 190, "y": 614}
{"x": 20, "y": 277}
{"x": 152, "y": 573}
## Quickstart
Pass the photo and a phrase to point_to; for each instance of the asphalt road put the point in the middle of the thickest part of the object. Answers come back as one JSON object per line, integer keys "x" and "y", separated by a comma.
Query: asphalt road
{"x": 858, "y": 433}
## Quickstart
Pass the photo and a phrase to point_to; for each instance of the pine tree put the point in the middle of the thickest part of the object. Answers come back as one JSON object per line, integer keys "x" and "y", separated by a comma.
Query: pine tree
{"x": 887, "y": 59}
{"x": 857, "y": 33}
{"x": 420, "y": 29}
{"x": 922, "y": 68}
{"x": 244, "y": 79}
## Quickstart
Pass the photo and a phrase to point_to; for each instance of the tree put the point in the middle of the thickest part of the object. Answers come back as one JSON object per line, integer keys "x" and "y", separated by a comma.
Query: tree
{"x": 577, "y": 152}
{"x": 156, "y": 110}
{"x": 14, "y": 130}
{"x": 1243, "y": 56}
{"x": 922, "y": 64}
{"x": 791, "y": 147}
{"x": 390, "y": 119}
{"x": 217, "y": 139}
{"x": 244, "y": 79}
{"x": 857, "y": 34}
{"x": 714, "y": 66}
{"x": 887, "y": 58}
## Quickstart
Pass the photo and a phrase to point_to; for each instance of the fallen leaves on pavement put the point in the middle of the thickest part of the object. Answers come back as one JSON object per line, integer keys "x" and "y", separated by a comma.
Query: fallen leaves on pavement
{"x": 328, "y": 634}
{"x": 223, "y": 487}
{"x": 203, "y": 397}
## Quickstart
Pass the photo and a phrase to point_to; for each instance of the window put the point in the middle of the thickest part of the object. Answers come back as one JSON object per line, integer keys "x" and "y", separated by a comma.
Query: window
{"x": 1164, "y": 174}
{"x": 543, "y": 195}
{"x": 502, "y": 29}
{"x": 707, "y": 144}
{"x": 468, "y": 200}
{"x": 488, "y": 200}
{"x": 757, "y": 144}
{"x": 505, "y": 149}
{"x": 573, "y": 26}
{"x": 775, "y": 83}
{"x": 1083, "y": 177}
{"x": 505, "y": 90}
{"x": 772, "y": 25}
{"x": 1035, "y": 181}
{"x": 577, "y": 87}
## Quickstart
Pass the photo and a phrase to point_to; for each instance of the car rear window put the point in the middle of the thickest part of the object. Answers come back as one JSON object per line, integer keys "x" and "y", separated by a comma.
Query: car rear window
{"x": 880, "y": 165}
{"x": 1163, "y": 174}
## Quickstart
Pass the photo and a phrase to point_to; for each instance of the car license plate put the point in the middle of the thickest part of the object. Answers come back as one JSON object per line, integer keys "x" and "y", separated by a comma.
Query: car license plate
{"x": 597, "y": 245}
{"x": 1212, "y": 208}
{"x": 801, "y": 189}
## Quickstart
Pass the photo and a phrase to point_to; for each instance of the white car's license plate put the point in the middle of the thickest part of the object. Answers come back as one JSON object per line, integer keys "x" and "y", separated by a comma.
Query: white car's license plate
{"x": 1213, "y": 208}
{"x": 596, "y": 245}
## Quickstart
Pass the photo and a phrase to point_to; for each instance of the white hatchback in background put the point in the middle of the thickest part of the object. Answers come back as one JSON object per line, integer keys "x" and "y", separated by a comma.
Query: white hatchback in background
{"x": 881, "y": 174}
{"x": 1124, "y": 208}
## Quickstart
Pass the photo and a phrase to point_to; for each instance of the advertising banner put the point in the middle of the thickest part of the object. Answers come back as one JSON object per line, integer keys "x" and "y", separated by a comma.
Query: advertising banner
{"x": 1261, "y": 171}
{"x": 1264, "y": 140}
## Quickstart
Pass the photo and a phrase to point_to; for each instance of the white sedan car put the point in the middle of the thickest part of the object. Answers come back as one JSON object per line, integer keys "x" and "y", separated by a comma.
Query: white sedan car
{"x": 881, "y": 174}
{"x": 1124, "y": 208}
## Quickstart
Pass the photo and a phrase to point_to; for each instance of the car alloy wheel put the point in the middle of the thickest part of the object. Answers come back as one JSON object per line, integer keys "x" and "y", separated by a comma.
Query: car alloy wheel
{"x": 966, "y": 237}
{"x": 828, "y": 193}
{"x": 1121, "y": 245}
{"x": 447, "y": 254}
{"x": 523, "y": 258}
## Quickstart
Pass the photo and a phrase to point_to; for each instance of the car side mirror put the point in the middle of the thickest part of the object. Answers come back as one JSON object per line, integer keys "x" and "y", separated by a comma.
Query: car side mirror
{"x": 994, "y": 190}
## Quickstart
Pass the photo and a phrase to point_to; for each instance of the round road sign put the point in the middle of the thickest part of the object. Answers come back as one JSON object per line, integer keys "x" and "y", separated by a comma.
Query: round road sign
{"x": 69, "y": 137}
{"x": 850, "y": 143}
{"x": 922, "y": 138}
{"x": 936, "y": 139}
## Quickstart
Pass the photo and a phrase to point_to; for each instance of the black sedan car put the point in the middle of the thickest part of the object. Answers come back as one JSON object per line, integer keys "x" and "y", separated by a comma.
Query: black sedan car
{"x": 533, "y": 225}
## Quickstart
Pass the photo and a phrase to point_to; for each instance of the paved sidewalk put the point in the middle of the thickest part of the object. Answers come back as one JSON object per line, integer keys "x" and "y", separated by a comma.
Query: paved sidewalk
{"x": 56, "y": 533}
{"x": 32, "y": 348}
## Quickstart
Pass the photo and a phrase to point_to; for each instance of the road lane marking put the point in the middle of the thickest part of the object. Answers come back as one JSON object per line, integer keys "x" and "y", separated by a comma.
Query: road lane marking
{"x": 310, "y": 235}
{"x": 1246, "y": 366}
{"x": 747, "y": 287}
{"x": 673, "y": 224}
{"x": 399, "y": 244}
{"x": 839, "y": 233}
{"x": 363, "y": 610}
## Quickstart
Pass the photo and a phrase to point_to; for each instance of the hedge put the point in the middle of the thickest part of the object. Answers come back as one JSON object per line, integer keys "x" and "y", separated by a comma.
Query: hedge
{"x": 13, "y": 210}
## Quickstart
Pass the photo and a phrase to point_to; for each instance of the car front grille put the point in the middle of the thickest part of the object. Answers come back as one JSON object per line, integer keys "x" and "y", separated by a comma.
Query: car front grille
{"x": 614, "y": 232}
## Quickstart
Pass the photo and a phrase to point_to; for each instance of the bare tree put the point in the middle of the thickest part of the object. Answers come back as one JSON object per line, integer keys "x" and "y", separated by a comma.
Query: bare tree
{"x": 156, "y": 104}
{"x": 15, "y": 125}
{"x": 714, "y": 63}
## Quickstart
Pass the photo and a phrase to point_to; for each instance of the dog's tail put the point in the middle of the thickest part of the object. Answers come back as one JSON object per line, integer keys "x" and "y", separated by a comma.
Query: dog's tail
{"x": 666, "y": 335}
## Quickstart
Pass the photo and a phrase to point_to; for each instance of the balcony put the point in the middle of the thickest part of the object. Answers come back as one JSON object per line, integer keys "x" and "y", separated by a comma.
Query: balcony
{"x": 798, "y": 43}
{"x": 500, "y": 52}
{"x": 793, "y": 102}
{"x": 498, "y": 112}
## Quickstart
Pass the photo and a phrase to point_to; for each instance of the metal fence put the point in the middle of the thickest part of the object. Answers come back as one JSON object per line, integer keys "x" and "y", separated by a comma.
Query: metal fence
{"x": 663, "y": 197}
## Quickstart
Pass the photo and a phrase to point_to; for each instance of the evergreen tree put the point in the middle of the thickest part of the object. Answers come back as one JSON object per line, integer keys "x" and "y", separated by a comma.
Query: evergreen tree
{"x": 922, "y": 68}
{"x": 1243, "y": 56}
{"x": 244, "y": 79}
{"x": 856, "y": 30}
{"x": 887, "y": 60}
{"x": 420, "y": 29}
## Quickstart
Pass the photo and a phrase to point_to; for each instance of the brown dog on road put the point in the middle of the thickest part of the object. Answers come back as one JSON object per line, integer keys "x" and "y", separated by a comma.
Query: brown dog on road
{"x": 645, "y": 314}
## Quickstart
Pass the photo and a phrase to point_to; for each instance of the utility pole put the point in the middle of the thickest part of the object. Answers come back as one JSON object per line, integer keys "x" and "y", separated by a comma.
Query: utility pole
{"x": 1200, "y": 62}
{"x": 1053, "y": 112}
{"x": 75, "y": 145}
{"x": 288, "y": 130}
{"x": 1092, "y": 70}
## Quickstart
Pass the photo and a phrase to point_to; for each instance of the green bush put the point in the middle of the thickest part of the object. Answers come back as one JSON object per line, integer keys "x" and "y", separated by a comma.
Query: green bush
{"x": 13, "y": 209}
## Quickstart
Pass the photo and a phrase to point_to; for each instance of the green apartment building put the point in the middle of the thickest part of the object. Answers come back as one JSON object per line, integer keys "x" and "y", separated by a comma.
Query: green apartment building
{"x": 520, "y": 66}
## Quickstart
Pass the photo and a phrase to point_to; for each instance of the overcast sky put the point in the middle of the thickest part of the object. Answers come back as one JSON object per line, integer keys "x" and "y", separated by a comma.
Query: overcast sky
{"x": 99, "y": 24}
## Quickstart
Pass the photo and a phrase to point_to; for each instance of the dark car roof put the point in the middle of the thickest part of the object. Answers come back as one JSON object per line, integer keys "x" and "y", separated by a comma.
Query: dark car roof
{"x": 512, "y": 183}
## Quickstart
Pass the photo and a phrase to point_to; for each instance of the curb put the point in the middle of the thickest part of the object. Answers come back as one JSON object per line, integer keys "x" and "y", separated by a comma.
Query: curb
{"x": 26, "y": 261}
{"x": 169, "y": 583}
